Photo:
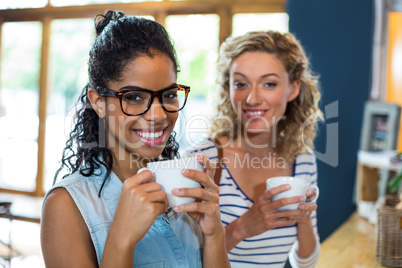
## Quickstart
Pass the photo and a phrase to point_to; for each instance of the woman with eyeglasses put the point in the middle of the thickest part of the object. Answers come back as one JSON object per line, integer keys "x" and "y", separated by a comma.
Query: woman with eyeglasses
{"x": 102, "y": 213}
{"x": 265, "y": 123}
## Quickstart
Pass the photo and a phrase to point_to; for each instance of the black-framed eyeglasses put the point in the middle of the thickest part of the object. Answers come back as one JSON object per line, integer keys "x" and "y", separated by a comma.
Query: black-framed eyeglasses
{"x": 137, "y": 101}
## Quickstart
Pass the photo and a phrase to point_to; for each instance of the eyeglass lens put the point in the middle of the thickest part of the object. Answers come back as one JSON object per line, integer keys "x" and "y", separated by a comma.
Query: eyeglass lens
{"x": 136, "y": 102}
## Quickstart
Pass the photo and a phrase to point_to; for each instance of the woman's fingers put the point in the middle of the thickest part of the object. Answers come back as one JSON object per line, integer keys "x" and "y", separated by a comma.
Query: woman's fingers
{"x": 197, "y": 193}
{"x": 209, "y": 167}
{"x": 144, "y": 189}
{"x": 273, "y": 205}
{"x": 202, "y": 177}
{"x": 140, "y": 178}
{"x": 310, "y": 195}
{"x": 267, "y": 196}
{"x": 308, "y": 207}
{"x": 201, "y": 207}
{"x": 281, "y": 222}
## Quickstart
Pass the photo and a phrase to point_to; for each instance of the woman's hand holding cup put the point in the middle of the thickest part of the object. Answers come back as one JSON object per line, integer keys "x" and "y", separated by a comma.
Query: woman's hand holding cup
{"x": 189, "y": 187}
{"x": 205, "y": 210}
{"x": 306, "y": 208}
{"x": 299, "y": 188}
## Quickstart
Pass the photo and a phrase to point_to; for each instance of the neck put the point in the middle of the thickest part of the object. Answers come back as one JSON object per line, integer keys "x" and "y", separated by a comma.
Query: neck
{"x": 127, "y": 167}
{"x": 256, "y": 144}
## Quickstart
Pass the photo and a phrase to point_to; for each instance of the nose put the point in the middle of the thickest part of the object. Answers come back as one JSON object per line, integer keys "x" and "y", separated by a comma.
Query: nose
{"x": 254, "y": 96}
{"x": 156, "y": 112}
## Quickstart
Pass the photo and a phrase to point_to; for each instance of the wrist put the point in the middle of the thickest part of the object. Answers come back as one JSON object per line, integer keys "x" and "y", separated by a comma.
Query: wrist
{"x": 305, "y": 223}
{"x": 237, "y": 230}
{"x": 216, "y": 236}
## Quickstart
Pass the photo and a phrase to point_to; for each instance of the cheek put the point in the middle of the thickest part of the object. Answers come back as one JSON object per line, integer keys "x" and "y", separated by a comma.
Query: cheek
{"x": 278, "y": 99}
{"x": 236, "y": 98}
{"x": 173, "y": 117}
{"x": 120, "y": 123}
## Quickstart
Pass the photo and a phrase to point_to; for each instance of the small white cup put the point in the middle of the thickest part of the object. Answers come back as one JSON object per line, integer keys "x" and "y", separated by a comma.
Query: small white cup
{"x": 298, "y": 187}
{"x": 168, "y": 174}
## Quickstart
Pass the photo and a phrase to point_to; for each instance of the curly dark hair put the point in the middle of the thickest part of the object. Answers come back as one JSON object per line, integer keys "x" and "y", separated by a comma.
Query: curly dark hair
{"x": 120, "y": 39}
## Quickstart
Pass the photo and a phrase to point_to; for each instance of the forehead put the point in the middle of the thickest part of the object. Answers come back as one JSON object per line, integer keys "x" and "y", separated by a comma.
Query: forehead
{"x": 152, "y": 72}
{"x": 257, "y": 60}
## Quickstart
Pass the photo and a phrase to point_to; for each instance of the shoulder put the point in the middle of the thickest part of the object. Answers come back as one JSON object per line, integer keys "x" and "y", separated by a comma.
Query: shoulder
{"x": 75, "y": 178}
{"x": 58, "y": 213}
{"x": 61, "y": 224}
{"x": 78, "y": 184}
{"x": 59, "y": 207}
{"x": 57, "y": 198}
{"x": 308, "y": 157}
{"x": 306, "y": 165}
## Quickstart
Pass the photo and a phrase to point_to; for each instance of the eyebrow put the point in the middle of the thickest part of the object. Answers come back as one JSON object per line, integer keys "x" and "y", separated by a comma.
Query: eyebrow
{"x": 265, "y": 75}
{"x": 132, "y": 87}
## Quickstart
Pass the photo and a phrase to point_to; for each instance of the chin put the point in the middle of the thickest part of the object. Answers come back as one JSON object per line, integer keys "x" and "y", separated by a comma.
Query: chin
{"x": 146, "y": 153}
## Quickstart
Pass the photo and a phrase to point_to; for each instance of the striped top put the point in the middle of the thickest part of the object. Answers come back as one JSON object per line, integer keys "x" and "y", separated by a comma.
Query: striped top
{"x": 269, "y": 249}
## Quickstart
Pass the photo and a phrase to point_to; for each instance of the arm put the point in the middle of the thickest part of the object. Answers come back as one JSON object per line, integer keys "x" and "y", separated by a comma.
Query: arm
{"x": 261, "y": 217}
{"x": 207, "y": 213}
{"x": 305, "y": 252}
{"x": 306, "y": 237}
{"x": 64, "y": 230}
{"x": 215, "y": 254}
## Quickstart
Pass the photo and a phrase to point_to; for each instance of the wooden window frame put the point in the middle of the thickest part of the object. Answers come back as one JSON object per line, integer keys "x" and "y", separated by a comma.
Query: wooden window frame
{"x": 225, "y": 9}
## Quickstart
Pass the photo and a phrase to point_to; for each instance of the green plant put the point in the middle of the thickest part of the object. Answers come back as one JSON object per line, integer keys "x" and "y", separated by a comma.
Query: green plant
{"x": 395, "y": 183}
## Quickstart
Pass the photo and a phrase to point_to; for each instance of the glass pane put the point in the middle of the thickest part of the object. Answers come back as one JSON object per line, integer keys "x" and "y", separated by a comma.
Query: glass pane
{"x": 243, "y": 23}
{"x": 196, "y": 39}
{"x": 22, "y": 4}
{"x": 70, "y": 44}
{"x": 25, "y": 236}
{"x": 19, "y": 99}
{"x": 90, "y": 2}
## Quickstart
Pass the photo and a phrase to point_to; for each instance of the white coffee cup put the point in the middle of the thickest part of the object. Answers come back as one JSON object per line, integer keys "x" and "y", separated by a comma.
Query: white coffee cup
{"x": 298, "y": 187}
{"x": 168, "y": 174}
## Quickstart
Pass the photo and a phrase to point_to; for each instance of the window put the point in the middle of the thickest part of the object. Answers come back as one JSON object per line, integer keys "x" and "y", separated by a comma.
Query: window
{"x": 19, "y": 100}
{"x": 58, "y": 3}
{"x": 71, "y": 41}
{"x": 196, "y": 41}
{"x": 22, "y": 4}
{"x": 243, "y": 23}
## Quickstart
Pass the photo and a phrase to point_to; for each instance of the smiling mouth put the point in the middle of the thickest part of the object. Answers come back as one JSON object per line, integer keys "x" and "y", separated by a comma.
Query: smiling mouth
{"x": 152, "y": 138}
{"x": 149, "y": 135}
{"x": 254, "y": 114}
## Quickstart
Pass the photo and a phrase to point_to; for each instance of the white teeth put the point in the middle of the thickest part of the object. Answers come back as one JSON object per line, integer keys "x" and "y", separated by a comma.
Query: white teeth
{"x": 255, "y": 113}
{"x": 150, "y": 135}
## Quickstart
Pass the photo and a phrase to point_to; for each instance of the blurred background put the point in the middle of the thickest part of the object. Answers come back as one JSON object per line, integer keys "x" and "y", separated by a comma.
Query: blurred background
{"x": 43, "y": 68}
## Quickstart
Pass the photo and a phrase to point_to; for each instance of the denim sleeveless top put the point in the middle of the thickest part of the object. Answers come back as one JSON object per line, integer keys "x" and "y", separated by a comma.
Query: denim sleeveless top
{"x": 174, "y": 240}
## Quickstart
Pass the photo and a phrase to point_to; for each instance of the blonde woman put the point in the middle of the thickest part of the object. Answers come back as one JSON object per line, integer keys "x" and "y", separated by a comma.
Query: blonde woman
{"x": 264, "y": 127}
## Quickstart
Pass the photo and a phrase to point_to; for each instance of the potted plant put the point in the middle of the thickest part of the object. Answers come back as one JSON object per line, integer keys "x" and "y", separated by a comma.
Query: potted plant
{"x": 394, "y": 184}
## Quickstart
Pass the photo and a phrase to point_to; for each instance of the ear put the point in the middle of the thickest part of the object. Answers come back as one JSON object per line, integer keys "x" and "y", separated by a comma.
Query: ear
{"x": 295, "y": 90}
{"x": 97, "y": 102}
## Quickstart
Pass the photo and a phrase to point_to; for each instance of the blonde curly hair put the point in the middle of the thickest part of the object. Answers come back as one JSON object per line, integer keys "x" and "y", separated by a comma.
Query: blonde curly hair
{"x": 299, "y": 129}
